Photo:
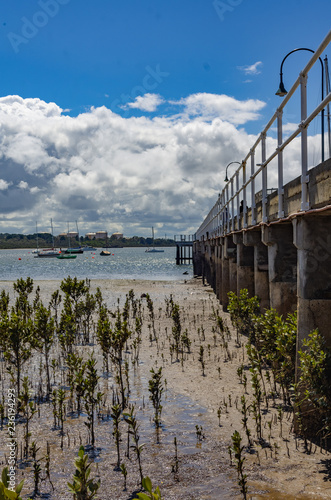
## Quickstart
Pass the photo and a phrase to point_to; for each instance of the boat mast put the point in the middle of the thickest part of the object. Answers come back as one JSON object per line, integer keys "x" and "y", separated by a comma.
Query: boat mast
{"x": 77, "y": 232}
{"x": 69, "y": 239}
{"x": 37, "y": 237}
{"x": 52, "y": 233}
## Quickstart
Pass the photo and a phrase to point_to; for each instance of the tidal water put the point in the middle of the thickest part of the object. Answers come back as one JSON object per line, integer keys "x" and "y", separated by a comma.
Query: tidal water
{"x": 123, "y": 263}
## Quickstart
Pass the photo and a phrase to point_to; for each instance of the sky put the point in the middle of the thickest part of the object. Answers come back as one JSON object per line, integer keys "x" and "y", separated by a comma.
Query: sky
{"x": 123, "y": 115}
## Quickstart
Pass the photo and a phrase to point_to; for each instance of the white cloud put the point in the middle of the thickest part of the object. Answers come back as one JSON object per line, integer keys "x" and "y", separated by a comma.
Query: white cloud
{"x": 252, "y": 69}
{"x": 4, "y": 185}
{"x": 227, "y": 108}
{"x": 121, "y": 174}
{"x": 146, "y": 102}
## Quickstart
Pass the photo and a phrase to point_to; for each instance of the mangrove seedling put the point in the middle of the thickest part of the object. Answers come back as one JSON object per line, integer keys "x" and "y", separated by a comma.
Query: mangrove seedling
{"x": 176, "y": 329}
{"x": 16, "y": 342}
{"x": 237, "y": 452}
{"x": 199, "y": 432}
{"x": 280, "y": 414}
{"x": 201, "y": 360}
{"x": 36, "y": 467}
{"x": 116, "y": 411}
{"x": 186, "y": 342}
{"x": 244, "y": 420}
{"x": 28, "y": 409}
{"x": 82, "y": 487}
{"x": 118, "y": 338}
{"x": 132, "y": 422}
{"x": 219, "y": 413}
{"x": 7, "y": 490}
{"x": 60, "y": 410}
{"x": 91, "y": 398}
{"x": 125, "y": 473}
{"x": 104, "y": 335}
{"x": 55, "y": 304}
{"x": 48, "y": 465}
{"x": 67, "y": 329}
{"x": 176, "y": 462}
{"x": 156, "y": 389}
{"x": 86, "y": 309}
{"x": 147, "y": 485}
{"x": 150, "y": 307}
{"x": 44, "y": 329}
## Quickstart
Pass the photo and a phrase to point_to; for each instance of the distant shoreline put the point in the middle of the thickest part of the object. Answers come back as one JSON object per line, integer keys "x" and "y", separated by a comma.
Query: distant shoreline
{"x": 92, "y": 244}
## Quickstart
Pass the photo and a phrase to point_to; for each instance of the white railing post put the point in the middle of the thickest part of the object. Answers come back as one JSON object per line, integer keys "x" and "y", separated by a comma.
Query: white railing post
{"x": 238, "y": 202}
{"x": 264, "y": 179}
{"x": 232, "y": 206}
{"x": 244, "y": 196}
{"x": 253, "y": 187}
{"x": 280, "y": 164}
{"x": 227, "y": 208}
{"x": 304, "y": 144}
{"x": 225, "y": 213}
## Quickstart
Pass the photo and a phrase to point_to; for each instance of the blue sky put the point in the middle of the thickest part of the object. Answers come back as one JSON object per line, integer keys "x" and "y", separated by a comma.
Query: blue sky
{"x": 146, "y": 62}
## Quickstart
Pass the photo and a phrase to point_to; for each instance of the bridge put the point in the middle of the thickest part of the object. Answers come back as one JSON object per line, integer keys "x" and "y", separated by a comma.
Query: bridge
{"x": 275, "y": 240}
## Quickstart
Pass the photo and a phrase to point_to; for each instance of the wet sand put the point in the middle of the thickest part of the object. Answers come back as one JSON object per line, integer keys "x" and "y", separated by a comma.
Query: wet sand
{"x": 281, "y": 470}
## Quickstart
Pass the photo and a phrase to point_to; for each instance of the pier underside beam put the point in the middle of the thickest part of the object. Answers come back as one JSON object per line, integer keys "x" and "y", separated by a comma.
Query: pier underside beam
{"x": 245, "y": 265}
{"x": 282, "y": 267}
{"x": 261, "y": 277}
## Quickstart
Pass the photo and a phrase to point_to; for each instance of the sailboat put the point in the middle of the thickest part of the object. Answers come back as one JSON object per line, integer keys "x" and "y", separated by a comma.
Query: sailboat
{"x": 153, "y": 250}
{"x": 49, "y": 252}
{"x": 74, "y": 250}
{"x": 67, "y": 254}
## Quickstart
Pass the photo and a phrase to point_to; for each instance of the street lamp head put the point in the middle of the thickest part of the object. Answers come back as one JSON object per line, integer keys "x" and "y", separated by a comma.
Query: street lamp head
{"x": 226, "y": 170}
{"x": 281, "y": 91}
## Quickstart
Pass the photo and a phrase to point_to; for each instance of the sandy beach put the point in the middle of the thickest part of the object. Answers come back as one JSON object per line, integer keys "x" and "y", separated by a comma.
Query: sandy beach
{"x": 279, "y": 470}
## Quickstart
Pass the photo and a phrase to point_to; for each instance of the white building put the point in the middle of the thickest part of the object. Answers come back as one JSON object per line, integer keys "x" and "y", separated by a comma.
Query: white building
{"x": 90, "y": 236}
{"x": 101, "y": 235}
{"x": 117, "y": 235}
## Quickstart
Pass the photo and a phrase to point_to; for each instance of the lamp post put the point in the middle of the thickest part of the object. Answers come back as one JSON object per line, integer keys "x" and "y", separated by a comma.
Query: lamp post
{"x": 226, "y": 170}
{"x": 281, "y": 92}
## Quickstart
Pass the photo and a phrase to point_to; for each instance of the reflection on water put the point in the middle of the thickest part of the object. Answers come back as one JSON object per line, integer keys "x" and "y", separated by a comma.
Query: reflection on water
{"x": 123, "y": 263}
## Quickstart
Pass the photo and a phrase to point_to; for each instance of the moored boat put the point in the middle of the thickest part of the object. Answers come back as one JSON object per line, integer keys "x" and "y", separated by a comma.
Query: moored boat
{"x": 66, "y": 256}
{"x": 48, "y": 252}
{"x": 89, "y": 249}
{"x": 74, "y": 250}
{"x": 153, "y": 250}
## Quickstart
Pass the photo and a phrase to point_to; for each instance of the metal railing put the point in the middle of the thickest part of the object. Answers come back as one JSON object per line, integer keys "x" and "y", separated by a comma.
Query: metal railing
{"x": 184, "y": 237}
{"x": 221, "y": 219}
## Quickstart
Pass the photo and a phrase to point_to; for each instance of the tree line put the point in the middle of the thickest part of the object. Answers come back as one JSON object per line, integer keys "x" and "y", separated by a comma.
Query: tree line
{"x": 45, "y": 240}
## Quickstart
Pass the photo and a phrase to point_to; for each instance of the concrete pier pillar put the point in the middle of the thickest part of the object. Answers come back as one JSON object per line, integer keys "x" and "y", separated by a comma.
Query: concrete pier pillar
{"x": 197, "y": 258}
{"x": 261, "y": 278}
{"x": 218, "y": 269}
{"x": 282, "y": 267}
{"x": 206, "y": 262}
{"x": 229, "y": 269}
{"x": 212, "y": 267}
{"x": 245, "y": 265}
{"x": 312, "y": 237}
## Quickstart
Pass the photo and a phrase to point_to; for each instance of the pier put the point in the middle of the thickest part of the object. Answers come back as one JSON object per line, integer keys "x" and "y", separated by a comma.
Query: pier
{"x": 275, "y": 241}
{"x": 184, "y": 249}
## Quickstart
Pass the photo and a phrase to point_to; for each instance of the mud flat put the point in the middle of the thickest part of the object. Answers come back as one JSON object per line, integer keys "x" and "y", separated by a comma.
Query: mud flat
{"x": 278, "y": 469}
